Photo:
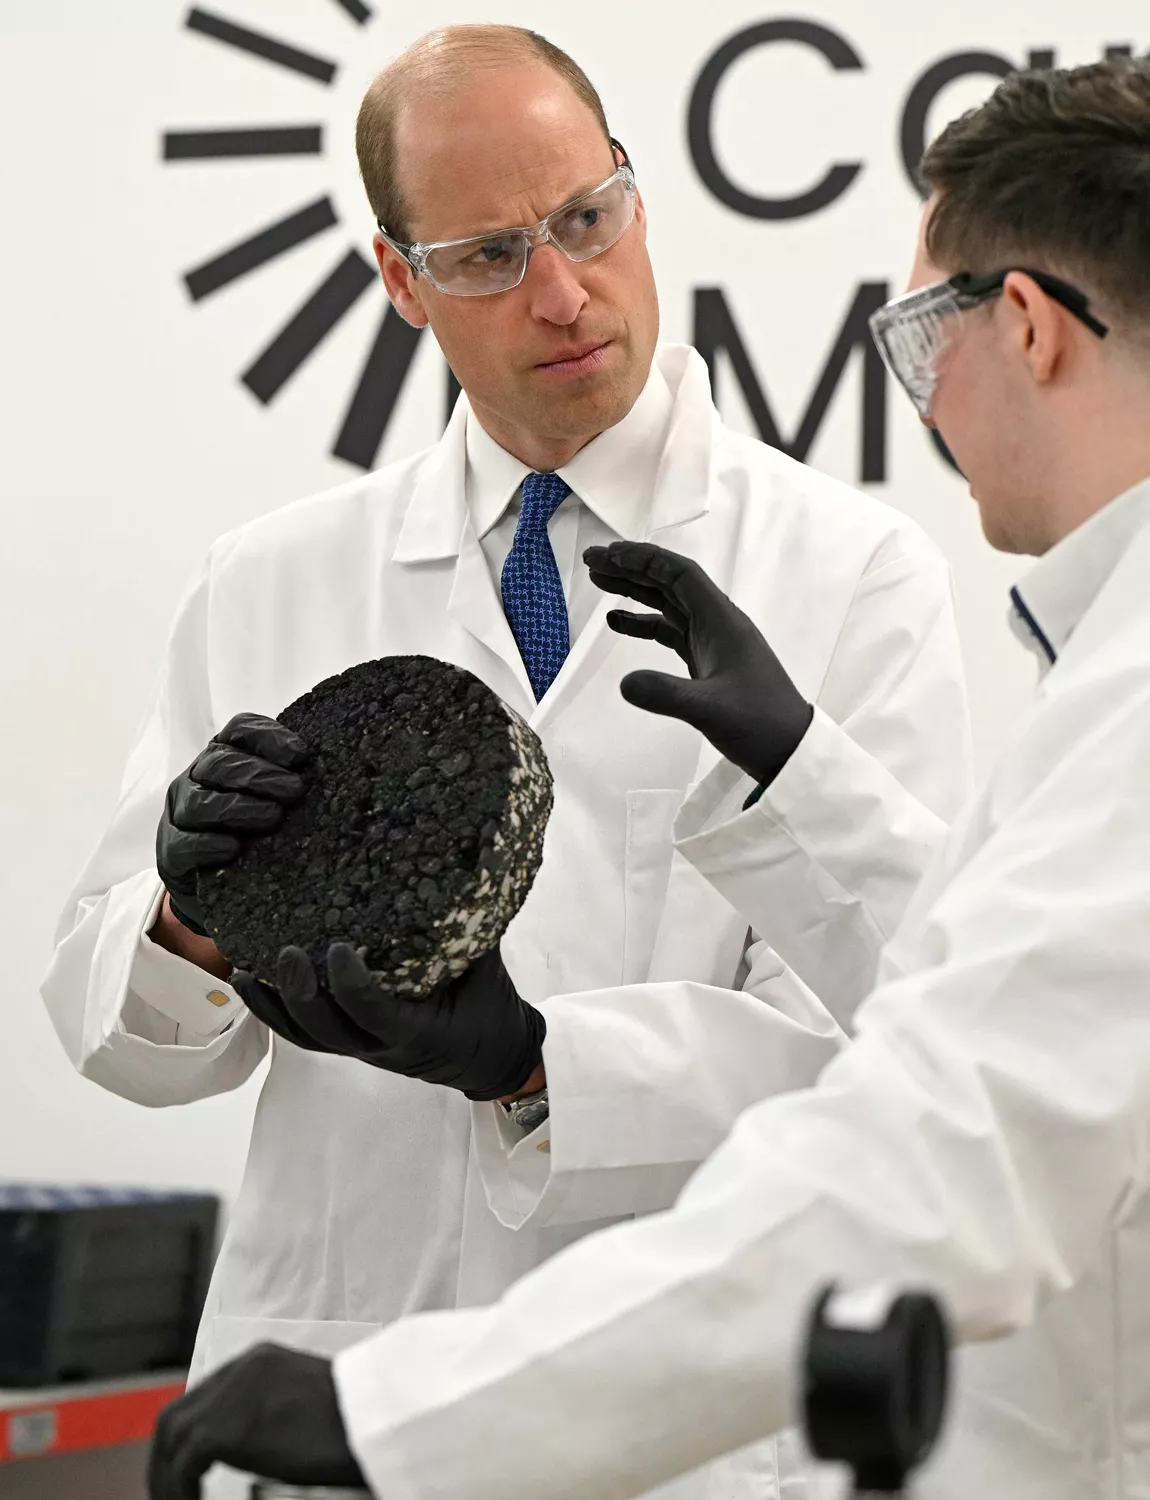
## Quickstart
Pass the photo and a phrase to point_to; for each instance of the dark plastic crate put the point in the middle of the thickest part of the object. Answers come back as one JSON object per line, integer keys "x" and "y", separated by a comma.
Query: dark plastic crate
{"x": 100, "y": 1282}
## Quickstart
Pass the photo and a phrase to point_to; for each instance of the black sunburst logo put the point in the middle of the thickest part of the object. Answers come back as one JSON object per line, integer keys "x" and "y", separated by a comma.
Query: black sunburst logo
{"x": 385, "y": 369}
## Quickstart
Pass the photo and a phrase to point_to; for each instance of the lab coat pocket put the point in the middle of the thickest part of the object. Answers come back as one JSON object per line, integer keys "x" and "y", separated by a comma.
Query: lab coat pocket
{"x": 647, "y": 869}
{"x": 229, "y": 1337}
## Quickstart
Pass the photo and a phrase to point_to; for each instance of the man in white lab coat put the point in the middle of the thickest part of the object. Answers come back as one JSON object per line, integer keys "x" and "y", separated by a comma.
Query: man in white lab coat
{"x": 988, "y": 1132}
{"x": 368, "y": 1193}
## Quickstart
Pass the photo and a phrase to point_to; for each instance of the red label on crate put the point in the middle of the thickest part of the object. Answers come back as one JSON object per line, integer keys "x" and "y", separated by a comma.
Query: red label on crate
{"x": 70, "y": 1423}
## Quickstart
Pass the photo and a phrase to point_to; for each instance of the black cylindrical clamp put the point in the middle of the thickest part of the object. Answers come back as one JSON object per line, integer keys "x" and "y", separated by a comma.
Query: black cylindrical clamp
{"x": 875, "y": 1382}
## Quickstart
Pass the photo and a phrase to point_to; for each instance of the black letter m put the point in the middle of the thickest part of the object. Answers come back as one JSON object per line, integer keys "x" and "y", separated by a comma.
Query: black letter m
{"x": 716, "y": 332}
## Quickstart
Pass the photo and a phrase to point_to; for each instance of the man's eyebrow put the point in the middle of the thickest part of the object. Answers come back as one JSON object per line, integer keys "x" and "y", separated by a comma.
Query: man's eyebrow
{"x": 504, "y": 227}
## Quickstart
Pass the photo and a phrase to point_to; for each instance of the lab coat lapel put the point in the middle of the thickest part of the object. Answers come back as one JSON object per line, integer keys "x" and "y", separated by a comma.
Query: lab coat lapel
{"x": 438, "y": 528}
{"x": 588, "y": 653}
{"x": 476, "y": 605}
{"x": 683, "y": 483}
{"x": 699, "y": 932}
{"x": 682, "y": 491}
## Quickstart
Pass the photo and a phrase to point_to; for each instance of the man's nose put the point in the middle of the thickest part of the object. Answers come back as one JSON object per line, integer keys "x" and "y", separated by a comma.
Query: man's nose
{"x": 553, "y": 288}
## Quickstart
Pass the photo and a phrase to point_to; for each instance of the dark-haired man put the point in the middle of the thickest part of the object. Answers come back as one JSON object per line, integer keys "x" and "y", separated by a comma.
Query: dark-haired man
{"x": 988, "y": 1133}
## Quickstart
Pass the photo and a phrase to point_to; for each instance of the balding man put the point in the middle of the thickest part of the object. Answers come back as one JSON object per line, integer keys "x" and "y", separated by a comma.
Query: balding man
{"x": 371, "y": 1192}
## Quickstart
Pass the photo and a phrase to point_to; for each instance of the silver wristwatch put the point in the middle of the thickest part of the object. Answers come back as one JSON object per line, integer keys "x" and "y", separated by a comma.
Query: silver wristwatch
{"x": 529, "y": 1111}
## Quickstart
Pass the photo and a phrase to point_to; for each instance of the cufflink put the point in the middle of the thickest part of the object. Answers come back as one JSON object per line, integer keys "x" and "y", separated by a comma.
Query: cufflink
{"x": 217, "y": 997}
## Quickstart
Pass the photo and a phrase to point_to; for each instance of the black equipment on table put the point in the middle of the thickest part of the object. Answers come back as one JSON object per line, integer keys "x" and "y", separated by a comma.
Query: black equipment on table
{"x": 100, "y": 1282}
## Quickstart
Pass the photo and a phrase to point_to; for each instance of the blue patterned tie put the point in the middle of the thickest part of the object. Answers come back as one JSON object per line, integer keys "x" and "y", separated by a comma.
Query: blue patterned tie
{"x": 532, "y": 589}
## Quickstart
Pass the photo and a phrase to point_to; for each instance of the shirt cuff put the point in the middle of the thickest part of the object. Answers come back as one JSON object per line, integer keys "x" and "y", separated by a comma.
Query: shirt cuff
{"x": 728, "y": 802}
{"x": 515, "y": 1168}
{"x": 181, "y": 990}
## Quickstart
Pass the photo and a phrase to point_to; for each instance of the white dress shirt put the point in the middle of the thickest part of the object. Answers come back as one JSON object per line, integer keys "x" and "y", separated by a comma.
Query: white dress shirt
{"x": 986, "y": 1135}
{"x": 612, "y": 484}
{"x": 1047, "y": 605}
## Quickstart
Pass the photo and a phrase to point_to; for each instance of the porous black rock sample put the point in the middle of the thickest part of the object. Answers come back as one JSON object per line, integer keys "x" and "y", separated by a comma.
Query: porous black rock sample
{"x": 418, "y": 838}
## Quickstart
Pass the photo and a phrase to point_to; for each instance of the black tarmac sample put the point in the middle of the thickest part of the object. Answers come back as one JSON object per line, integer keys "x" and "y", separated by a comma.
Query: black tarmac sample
{"x": 417, "y": 841}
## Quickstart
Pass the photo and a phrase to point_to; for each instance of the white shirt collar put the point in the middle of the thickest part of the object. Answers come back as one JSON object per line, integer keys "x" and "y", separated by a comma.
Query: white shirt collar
{"x": 1065, "y": 581}
{"x": 614, "y": 475}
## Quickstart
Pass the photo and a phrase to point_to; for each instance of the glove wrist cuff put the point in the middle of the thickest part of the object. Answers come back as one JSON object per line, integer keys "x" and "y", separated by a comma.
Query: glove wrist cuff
{"x": 782, "y": 746}
{"x": 183, "y": 917}
{"x": 526, "y": 1061}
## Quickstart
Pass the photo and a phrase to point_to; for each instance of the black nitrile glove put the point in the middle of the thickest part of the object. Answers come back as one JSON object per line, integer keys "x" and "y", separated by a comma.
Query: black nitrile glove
{"x": 236, "y": 788}
{"x": 739, "y": 696}
{"x": 271, "y": 1412}
{"x": 474, "y": 1033}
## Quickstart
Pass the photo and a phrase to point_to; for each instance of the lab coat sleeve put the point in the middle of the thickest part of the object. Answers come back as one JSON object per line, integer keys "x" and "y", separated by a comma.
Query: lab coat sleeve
{"x": 824, "y": 864}
{"x": 131, "y": 1016}
{"x": 979, "y": 1138}
{"x": 645, "y": 1081}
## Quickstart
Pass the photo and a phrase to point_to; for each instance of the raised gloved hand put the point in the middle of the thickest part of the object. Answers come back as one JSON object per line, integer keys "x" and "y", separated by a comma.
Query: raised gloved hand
{"x": 271, "y": 1412}
{"x": 739, "y": 696}
{"x": 236, "y": 788}
{"x": 474, "y": 1033}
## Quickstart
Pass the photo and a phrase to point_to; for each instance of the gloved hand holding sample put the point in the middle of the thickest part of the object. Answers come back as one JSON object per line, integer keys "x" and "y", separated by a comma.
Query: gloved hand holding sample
{"x": 739, "y": 696}
{"x": 474, "y": 1033}
{"x": 236, "y": 788}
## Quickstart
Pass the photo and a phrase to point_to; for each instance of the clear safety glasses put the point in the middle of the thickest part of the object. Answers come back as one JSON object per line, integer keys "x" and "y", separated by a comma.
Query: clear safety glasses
{"x": 914, "y": 331}
{"x": 486, "y": 263}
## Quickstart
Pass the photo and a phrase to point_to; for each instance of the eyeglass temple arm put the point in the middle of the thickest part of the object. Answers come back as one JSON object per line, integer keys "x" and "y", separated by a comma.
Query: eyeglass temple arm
{"x": 397, "y": 245}
{"x": 622, "y": 150}
{"x": 1070, "y": 297}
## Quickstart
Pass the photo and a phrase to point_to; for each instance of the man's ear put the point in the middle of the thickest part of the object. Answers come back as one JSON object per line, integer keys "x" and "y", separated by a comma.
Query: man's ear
{"x": 1038, "y": 326}
{"x": 641, "y": 212}
{"x": 400, "y": 281}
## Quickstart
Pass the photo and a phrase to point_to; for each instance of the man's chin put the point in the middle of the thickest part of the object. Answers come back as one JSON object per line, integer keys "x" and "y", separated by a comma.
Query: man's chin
{"x": 588, "y": 407}
{"x": 996, "y": 532}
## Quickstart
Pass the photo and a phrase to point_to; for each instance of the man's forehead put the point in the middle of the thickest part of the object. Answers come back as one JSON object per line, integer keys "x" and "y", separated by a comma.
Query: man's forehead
{"x": 469, "y": 164}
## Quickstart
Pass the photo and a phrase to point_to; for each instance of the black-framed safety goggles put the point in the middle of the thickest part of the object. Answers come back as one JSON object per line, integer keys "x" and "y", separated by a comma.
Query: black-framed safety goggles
{"x": 913, "y": 331}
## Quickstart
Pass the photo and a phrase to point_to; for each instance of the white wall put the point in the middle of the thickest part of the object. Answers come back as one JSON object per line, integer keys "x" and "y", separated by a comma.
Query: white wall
{"x": 129, "y": 443}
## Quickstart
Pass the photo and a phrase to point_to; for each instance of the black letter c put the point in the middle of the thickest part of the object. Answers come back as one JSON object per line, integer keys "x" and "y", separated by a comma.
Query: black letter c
{"x": 837, "y": 51}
